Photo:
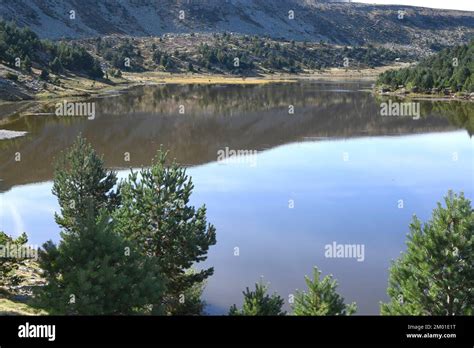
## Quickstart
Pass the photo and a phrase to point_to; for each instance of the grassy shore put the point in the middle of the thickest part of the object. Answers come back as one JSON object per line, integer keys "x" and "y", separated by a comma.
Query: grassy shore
{"x": 10, "y": 307}
{"x": 18, "y": 302}
{"x": 79, "y": 86}
{"x": 333, "y": 74}
{"x": 194, "y": 79}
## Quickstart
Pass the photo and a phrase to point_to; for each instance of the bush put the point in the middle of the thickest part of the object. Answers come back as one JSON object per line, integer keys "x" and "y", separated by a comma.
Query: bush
{"x": 11, "y": 76}
{"x": 259, "y": 303}
{"x": 321, "y": 298}
{"x": 44, "y": 75}
{"x": 9, "y": 265}
{"x": 94, "y": 271}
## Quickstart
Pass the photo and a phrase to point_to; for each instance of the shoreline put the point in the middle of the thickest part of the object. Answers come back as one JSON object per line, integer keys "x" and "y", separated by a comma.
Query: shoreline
{"x": 425, "y": 96}
{"x": 73, "y": 86}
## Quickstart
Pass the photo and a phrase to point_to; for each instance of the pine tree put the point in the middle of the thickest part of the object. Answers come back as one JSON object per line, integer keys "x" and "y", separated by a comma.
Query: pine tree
{"x": 259, "y": 303}
{"x": 56, "y": 66}
{"x": 27, "y": 63}
{"x": 95, "y": 70}
{"x": 95, "y": 272}
{"x": 80, "y": 177}
{"x": 164, "y": 60}
{"x": 435, "y": 71}
{"x": 435, "y": 276}
{"x": 44, "y": 75}
{"x": 190, "y": 302}
{"x": 321, "y": 298}
{"x": 155, "y": 213}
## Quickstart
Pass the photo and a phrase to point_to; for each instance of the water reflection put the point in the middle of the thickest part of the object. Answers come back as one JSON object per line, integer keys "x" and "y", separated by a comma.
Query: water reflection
{"x": 352, "y": 201}
{"x": 240, "y": 117}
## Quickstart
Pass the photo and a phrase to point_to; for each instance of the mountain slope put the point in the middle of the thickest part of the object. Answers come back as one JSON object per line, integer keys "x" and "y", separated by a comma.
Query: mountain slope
{"x": 342, "y": 23}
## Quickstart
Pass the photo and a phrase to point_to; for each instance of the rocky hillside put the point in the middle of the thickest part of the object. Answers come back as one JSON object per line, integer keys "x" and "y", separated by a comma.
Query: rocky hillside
{"x": 340, "y": 23}
{"x": 234, "y": 54}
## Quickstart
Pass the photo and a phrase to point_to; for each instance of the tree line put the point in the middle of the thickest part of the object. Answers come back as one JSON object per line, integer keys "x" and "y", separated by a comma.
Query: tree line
{"x": 239, "y": 55}
{"x": 223, "y": 53}
{"x": 452, "y": 68}
{"x": 129, "y": 247}
{"x": 22, "y": 45}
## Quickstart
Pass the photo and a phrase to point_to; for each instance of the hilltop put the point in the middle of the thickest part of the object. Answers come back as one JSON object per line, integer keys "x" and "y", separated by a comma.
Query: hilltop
{"x": 57, "y": 48}
{"x": 311, "y": 20}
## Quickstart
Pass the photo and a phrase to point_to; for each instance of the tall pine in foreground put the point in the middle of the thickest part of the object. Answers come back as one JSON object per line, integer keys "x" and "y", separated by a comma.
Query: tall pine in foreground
{"x": 321, "y": 298}
{"x": 259, "y": 303}
{"x": 80, "y": 179}
{"x": 155, "y": 213}
{"x": 95, "y": 272}
{"x": 435, "y": 276}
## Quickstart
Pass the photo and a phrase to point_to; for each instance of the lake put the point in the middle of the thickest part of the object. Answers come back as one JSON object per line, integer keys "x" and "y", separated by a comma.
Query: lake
{"x": 324, "y": 168}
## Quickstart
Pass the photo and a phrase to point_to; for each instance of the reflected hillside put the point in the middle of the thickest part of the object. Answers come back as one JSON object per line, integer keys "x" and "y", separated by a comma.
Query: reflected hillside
{"x": 240, "y": 117}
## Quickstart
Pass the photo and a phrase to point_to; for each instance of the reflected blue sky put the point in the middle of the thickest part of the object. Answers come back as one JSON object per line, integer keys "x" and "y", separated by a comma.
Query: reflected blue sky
{"x": 352, "y": 202}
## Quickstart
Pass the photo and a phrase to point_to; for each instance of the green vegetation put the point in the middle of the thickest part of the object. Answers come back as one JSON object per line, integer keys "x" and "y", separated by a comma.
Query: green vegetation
{"x": 9, "y": 265}
{"x": 94, "y": 271}
{"x": 23, "y": 45}
{"x": 451, "y": 68}
{"x": 435, "y": 276}
{"x": 458, "y": 113}
{"x": 80, "y": 180}
{"x": 259, "y": 303}
{"x": 131, "y": 248}
{"x": 13, "y": 275}
{"x": 163, "y": 59}
{"x": 190, "y": 300}
{"x": 154, "y": 211}
{"x": 292, "y": 57}
{"x": 236, "y": 54}
{"x": 321, "y": 298}
{"x": 11, "y": 76}
{"x": 44, "y": 75}
{"x": 123, "y": 57}
{"x": 10, "y": 307}
{"x": 18, "y": 43}
{"x": 125, "y": 251}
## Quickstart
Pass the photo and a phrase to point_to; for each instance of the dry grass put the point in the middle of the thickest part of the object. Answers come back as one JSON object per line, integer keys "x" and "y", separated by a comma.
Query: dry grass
{"x": 77, "y": 86}
{"x": 156, "y": 77}
{"x": 9, "y": 307}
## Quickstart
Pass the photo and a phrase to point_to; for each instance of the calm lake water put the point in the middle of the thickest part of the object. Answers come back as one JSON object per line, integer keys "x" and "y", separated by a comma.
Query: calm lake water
{"x": 332, "y": 172}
